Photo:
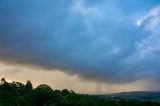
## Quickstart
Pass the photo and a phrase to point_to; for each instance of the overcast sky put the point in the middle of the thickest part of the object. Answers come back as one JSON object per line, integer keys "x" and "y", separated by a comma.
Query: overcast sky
{"x": 108, "y": 42}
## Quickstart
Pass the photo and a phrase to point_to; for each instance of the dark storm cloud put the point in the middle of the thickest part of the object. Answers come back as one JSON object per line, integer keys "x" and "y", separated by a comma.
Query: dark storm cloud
{"x": 96, "y": 40}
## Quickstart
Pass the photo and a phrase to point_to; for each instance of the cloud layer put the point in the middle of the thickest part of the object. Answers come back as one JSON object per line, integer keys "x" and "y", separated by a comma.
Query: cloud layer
{"x": 112, "y": 41}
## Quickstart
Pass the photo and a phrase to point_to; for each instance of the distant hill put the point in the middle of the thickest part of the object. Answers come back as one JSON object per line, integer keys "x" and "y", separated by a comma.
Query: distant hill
{"x": 140, "y": 95}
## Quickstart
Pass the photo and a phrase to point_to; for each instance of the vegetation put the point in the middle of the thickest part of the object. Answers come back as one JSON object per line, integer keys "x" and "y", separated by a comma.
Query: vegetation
{"x": 18, "y": 94}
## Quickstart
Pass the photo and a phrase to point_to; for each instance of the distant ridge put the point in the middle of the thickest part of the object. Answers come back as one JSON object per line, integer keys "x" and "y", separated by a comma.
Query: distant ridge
{"x": 140, "y": 95}
{"x": 136, "y": 93}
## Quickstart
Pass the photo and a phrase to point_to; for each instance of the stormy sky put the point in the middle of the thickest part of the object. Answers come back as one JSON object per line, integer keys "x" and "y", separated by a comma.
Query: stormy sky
{"x": 109, "y": 41}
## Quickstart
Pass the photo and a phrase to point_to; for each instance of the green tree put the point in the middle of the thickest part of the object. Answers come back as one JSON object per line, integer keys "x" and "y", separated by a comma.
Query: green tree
{"x": 65, "y": 92}
{"x": 43, "y": 94}
{"x": 28, "y": 87}
{"x": 3, "y": 81}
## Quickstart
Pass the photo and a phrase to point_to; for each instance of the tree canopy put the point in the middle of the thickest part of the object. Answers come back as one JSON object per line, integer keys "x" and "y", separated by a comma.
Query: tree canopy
{"x": 19, "y": 94}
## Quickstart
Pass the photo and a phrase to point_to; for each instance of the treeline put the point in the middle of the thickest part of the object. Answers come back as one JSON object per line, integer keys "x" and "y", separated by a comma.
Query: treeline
{"x": 19, "y": 94}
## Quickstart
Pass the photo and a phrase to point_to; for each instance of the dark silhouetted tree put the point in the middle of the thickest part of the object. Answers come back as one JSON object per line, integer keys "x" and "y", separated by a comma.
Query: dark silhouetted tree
{"x": 65, "y": 92}
{"x": 43, "y": 95}
{"x": 28, "y": 87}
{"x": 3, "y": 80}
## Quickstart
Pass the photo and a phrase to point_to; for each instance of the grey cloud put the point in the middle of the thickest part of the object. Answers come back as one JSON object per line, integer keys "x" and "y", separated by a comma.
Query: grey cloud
{"x": 50, "y": 34}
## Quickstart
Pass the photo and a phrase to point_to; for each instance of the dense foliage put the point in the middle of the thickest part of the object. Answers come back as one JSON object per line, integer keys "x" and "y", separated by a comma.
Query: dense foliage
{"x": 18, "y": 94}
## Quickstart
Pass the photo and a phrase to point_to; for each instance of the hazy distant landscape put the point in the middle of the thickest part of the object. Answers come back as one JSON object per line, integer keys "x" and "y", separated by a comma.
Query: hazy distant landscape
{"x": 19, "y": 94}
{"x": 135, "y": 95}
